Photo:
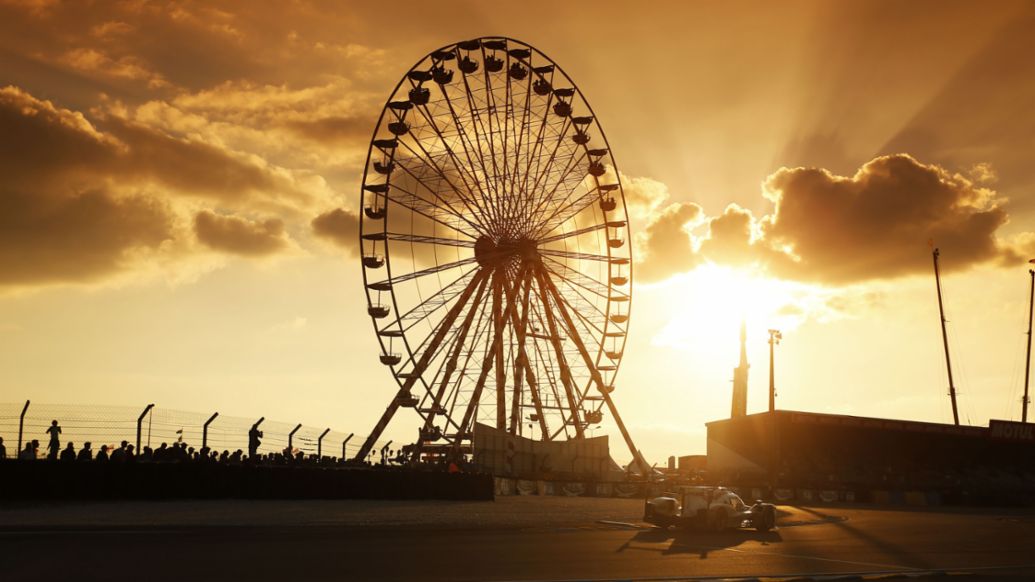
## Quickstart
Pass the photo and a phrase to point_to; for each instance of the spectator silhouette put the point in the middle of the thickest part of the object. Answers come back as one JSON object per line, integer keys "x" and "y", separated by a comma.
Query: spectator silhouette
{"x": 35, "y": 449}
{"x": 85, "y": 454}
{"x": 129, "y": 453}
{"x": 55, "y": 440}
{"x": 119, "y": 454}
{"x": 27, "y": 454}
{"x": 3, "y": 449}
{"x": 68, "y": 455}
{"x": 102, "y": 455}
{"x": 253, "y": 440}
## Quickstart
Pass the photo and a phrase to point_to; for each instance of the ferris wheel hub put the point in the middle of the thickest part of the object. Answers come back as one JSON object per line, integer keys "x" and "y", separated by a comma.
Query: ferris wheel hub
{"x": 492, "y": 253}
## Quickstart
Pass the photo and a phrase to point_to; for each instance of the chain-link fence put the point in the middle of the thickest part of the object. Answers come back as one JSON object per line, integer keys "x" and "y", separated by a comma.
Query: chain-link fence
{"x": 110, "y": 425}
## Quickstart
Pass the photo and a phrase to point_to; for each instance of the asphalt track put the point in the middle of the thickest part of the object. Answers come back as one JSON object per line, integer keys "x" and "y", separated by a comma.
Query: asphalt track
{"x": 496, "y": 541}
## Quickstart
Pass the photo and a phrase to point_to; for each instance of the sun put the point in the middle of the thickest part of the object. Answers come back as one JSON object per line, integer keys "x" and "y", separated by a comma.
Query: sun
{"x": 708, "y": 305}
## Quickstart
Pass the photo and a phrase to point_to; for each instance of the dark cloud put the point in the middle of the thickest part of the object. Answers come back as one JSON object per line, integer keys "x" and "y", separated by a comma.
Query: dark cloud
{"x": 194, "y": 168}
{"x": 58, "y": 223}
{"x": 338, "y": 226}
{"x": 75, "y": 237}
{"x": 80, "y": 200}
{"x": 46, "y": 143}
{"x": 334, "y": 130}
{"x": 240, "y": 236}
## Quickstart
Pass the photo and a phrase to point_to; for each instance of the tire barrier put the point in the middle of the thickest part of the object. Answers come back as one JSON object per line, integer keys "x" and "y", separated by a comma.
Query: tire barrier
{"x": 525, "y": 487}
{"x": 114, "y": 480}
{"x": 828, "y": 496}
{"x": 783, "y": 494}
{"x": 627, "y": 490}
{"x": 573, "y": 489}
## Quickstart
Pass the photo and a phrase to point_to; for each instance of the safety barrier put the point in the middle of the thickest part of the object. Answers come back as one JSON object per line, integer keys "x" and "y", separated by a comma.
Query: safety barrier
{"x": 134, "y": 480}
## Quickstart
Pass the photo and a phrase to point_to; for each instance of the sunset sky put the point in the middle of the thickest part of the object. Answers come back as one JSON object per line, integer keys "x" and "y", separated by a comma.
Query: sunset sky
{"x": 179, "y": 184}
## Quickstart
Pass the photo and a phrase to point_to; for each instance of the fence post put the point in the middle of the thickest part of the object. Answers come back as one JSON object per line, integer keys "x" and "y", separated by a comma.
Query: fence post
{"x": 344, "y": 456}
{"x": 319, "y": 445}
{"x": 291, "y": 436}
{"x": 204, "y": 430}
{"x": 21, "y": 427}
{"x": 140, "y": 422}
{"x": 383, "y": 449}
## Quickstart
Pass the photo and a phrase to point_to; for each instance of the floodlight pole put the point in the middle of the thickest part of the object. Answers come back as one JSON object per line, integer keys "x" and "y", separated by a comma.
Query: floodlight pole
{"x": 945, "y": 339}
{"x": 1027, "y": 360}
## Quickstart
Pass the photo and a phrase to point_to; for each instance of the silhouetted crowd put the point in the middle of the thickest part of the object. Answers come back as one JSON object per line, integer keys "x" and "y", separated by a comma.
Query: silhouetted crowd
{"x": 179, "y": 452}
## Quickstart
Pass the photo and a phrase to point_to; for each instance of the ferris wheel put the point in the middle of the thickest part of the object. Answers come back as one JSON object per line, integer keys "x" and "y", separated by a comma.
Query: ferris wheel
{"x": 495, "y": 249}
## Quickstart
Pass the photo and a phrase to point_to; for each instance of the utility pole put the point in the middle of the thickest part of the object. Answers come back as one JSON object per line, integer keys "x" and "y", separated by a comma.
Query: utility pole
{"x": 774, "y": 338}
{"x": 1027, "y": 360}
{"x": 945, "y": 339}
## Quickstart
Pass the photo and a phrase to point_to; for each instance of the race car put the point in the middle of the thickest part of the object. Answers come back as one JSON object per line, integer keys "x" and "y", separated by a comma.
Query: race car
{"x": 712, "y": 508}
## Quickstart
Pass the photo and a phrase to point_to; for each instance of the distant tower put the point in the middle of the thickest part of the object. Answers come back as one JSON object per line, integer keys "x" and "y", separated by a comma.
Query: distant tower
{"x": 740, "y": 377}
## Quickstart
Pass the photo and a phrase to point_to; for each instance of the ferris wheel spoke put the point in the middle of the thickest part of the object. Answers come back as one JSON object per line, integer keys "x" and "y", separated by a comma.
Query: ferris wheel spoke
{"x": 577, "y": 232}
{"x": 427, "y": 161}
{"x": 578, "y": 278}
{"x": 470, "y": 349}
{"x": 440, "y": 333}
{"x": 547, "y": 213}
{"x": 569, "y": 211}
{"x": 540, "y": 135}
{"x": 550, "y": 198}
{"x": 394, "y": 281}
{"x": 598, "y": 380}
{"x": 584, "y": 313}
{"x": 465, "y": 141}
{"x": 422, "y": 239}
{"x": 487, "y": 136}
{"x": 519, "y": 135}
{"x": 423, "y": 207}
{"x": 464, "y": 171}
{"x": 498, "y": 325}
{"x": 574, "y": 255}
{"x": 557, "y": 140}
{"x": 555, "y": 340}
{"x": 433, "y": 303}
{"x": 522, "y": 367}
{"x": 450, "y": 368}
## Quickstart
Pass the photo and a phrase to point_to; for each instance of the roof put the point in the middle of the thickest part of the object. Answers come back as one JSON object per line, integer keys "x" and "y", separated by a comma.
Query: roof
{"x": 860, "y": 422}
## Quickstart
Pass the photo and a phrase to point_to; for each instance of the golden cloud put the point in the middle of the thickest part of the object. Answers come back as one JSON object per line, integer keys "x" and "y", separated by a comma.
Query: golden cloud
{"x": 240, "y": 236}
{"x": 839, "y": 230}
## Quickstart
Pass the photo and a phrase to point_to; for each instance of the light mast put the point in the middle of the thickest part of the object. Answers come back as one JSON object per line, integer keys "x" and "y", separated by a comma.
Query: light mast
{"x": 945, "y": 339}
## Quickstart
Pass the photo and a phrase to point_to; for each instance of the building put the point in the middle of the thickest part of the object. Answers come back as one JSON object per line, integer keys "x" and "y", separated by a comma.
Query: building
{"x": 810, "y": 450}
